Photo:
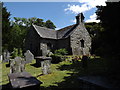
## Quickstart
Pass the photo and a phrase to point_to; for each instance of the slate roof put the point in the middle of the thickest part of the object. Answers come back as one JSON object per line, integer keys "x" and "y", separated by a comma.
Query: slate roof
{"x": 46, "y": 32}
{"x": 54, "y": 34}
{"x": 64, "y": 32}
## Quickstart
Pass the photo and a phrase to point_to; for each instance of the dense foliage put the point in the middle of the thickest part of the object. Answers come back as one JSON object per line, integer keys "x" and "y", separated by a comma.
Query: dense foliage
{"x": 5, "y": 27}
{"x": 95, "y": 30}
{"x": 110, "y": 17}
{"x": 61, "y": 51}
{"x": 17, "y": 52}
{"x": 56, "y": 57}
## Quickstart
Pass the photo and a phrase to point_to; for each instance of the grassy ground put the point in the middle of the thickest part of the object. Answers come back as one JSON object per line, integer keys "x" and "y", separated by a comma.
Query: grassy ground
{"x": 64, "y": 74}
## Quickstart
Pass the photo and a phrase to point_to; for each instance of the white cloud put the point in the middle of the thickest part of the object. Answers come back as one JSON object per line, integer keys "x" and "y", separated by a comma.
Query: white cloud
{"x": 93, "y": 18}
{"x": 77, "y": 9}
{"x": 86, "y": 6}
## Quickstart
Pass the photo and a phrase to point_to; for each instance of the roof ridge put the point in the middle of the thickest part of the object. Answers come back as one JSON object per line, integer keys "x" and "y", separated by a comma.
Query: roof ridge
{"x": 65, "y": 27}
{"x": 43, "y": 27}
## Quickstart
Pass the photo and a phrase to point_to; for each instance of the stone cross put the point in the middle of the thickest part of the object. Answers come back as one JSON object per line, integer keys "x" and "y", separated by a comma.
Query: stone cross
{"x": 28, "y": 56}
{"x": 17, "y": 65}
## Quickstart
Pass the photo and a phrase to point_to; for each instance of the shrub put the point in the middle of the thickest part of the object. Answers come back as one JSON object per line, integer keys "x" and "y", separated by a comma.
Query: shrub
{"x": 17, "y": 52}
{"x": 20, "y": 53}
{"x": 56, "y": 58}
{"x": 61, "y": 52}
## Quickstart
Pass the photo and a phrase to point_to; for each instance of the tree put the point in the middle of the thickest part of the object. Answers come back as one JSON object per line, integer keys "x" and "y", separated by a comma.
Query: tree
{"x": 110, "y": 18}
{"x": 95, "y": 30}
{"x": 28, "y": 22}
{"x": 40, "y": 22}
{"x": 5, "y": 28}
{"x": 17, "y": 36}
{"x": 49, "y": 24}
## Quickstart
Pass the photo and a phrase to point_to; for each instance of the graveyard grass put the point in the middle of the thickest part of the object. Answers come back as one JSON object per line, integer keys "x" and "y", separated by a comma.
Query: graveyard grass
{"x": 64, "y": 74}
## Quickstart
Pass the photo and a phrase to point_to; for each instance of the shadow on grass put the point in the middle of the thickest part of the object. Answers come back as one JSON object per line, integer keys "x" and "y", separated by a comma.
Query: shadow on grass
{"x": 8, "y": 65}
{"x": 6, "y": 87}
{"x": 68, "y": 83}
{"x": 95, "y": 66}
{"x": 36, "y": 65}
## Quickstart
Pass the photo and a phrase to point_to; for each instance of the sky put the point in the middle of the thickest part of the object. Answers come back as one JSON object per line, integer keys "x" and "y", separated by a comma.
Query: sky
{"x": 62, "y": 14}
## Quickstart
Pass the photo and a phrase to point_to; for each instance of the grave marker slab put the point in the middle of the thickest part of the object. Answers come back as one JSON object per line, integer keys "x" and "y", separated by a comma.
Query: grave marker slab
{"x": 28, "y": 56}
{"x": 23, "y": 80}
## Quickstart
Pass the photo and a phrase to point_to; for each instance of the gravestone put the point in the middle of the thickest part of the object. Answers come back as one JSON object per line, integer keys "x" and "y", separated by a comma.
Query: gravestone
{"x": 45, "y": 64}
{"x": 6, "y": 56}
{"x": 28, "y": 56}
{"x": 17, "y": 65}
{"x": 23, "y": 81}
{"x": 84, "y": 61}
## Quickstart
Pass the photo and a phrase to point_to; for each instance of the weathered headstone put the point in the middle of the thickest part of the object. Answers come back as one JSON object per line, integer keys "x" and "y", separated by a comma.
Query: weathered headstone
{"x": 6, "y": 56}
{"x": 28, "y": 56}
{"x": 45, "y": 64}
{"x": 17, "y": 65}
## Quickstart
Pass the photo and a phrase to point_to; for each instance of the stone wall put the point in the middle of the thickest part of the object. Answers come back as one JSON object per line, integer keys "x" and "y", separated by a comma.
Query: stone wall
{"x": 32, "y": 41}
{"x": 80, "y": 33}
{"x": 44, "y": 47}
{"x": 64, "y": 43}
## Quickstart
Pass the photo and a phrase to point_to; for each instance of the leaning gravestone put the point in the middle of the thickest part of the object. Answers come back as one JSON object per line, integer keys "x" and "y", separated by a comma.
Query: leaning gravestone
{"x": 28, "y": 56}
{"x": 6, "y": 56}
{"x": 17, "y": 65}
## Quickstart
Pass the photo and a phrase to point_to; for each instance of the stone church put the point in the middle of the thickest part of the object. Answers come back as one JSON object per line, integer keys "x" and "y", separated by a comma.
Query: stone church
{"x": 74, "y": 38}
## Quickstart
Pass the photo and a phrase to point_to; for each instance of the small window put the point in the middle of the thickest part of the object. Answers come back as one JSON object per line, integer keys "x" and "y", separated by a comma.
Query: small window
{"x": 82, "y": 43}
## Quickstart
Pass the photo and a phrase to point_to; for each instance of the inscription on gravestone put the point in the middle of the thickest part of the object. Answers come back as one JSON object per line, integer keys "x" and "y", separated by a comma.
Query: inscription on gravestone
{"x": 28, "y": 56}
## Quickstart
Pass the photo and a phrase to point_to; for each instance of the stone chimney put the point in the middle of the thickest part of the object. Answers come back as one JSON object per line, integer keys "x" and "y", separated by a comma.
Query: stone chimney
{"x": 79, "y": 18}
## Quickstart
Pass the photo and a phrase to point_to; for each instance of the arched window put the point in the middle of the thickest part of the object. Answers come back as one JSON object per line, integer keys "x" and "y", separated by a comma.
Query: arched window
{"x": 82, "y": 43}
